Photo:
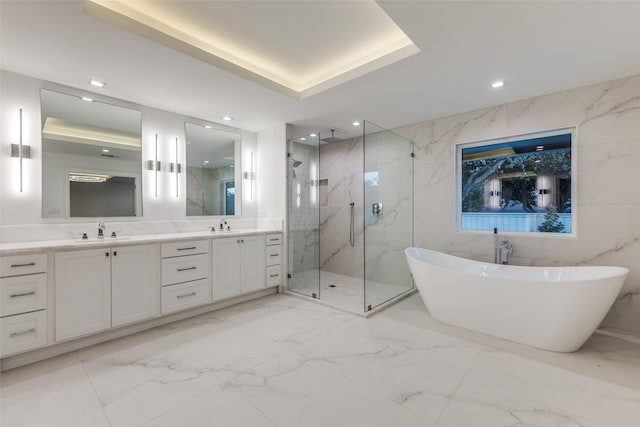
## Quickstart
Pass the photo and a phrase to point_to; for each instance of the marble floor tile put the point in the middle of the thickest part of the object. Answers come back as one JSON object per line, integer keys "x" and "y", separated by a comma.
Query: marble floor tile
{"x": 141, "y": 376}
{"x": 216, "y": 407}
{"x": 285, "y": 361}
{"x": 295, "y": 391}
{"x": 479, "y": 404}
{"x": 54, "y": 392}
{"x": 601, "y": 401}
{"x": 400, "y": 373}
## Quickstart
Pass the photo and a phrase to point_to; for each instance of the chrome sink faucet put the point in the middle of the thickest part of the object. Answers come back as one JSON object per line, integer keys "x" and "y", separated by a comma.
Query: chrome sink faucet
{"x": 101, "y": 228}
{"x": 223, "y": 224}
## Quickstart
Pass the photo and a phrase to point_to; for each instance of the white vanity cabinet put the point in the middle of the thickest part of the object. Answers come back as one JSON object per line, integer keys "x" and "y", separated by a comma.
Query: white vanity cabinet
{"x": 23, "y": 303}
{"x": 134, "y": 284}
{"x": 238, "y": 265}
{"x": 185, "y": 275}
{"x": 274, "y": 259}
{"x": 100, "y": 288}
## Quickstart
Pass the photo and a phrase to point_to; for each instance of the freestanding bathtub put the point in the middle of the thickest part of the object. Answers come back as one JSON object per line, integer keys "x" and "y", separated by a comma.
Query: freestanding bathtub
{"x": 552, "y": 308}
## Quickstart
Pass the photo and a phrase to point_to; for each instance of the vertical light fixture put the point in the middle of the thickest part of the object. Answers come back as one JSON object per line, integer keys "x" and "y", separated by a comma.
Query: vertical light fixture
{"x": 249, "y": 175}
{"x": 19, "y": 150}
{"x": 155, "y": 165}
{"x": 176, "y": 168}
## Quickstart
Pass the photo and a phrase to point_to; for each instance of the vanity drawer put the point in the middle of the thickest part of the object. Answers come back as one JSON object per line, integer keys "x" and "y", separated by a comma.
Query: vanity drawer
{"x": 17, "y": 265}
{"x": 23, "y": 293}
{"x": 274, "y": 239}
{"x": 184, "y": 248}
{"x": 184, "y": 269}
{"x": 185, "y": 295}
{"x": 274, "y": 275}
{"x": 23, "y": 332}
{"x": 274, "y": 254}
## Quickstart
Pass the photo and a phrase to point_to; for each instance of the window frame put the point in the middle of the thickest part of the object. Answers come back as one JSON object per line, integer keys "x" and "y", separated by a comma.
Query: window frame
{"x": 513, "y": 138}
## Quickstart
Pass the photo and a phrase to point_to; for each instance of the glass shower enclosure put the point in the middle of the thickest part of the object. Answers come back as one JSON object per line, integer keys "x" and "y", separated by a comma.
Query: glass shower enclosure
{"x": 350, "y": 217}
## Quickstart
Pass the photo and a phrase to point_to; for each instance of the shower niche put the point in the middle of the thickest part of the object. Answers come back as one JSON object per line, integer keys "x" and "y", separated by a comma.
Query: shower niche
{"x": 342, "y": 250}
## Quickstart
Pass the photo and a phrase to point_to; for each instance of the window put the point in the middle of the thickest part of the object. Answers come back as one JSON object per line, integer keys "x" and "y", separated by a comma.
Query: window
{"x": 519, "y": 184}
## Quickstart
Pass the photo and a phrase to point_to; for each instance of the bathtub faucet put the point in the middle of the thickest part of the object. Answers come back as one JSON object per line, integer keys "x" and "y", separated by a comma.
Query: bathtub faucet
{"x": 503, "y": 250}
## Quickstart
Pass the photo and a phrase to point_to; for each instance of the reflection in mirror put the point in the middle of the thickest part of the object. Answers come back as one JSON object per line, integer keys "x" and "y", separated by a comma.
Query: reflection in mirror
{"x": 91, "y": 158}
{"x": 213, "y": 169}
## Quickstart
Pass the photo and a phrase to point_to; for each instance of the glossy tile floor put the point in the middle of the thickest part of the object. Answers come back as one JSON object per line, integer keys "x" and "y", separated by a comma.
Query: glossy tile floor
{"x": 284, "y": 361}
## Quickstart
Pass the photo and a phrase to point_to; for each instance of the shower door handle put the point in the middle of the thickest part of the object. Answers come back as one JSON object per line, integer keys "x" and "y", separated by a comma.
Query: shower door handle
{"x": 376, "y": 209}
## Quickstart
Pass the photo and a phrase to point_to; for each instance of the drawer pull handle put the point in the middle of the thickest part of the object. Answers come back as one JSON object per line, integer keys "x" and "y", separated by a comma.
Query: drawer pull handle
{"x": 274, "y": 240}
{"x": 27, "y": 331}
{"x": 274, "y": 255}
{"x": 29, "y": 264}
{"x": 274, "y": 275}
{"x": 190, "y": 248}
{"x": 192, "y": 294}
{"x": 187, "y": 268}
{"x": 24, "y": 294}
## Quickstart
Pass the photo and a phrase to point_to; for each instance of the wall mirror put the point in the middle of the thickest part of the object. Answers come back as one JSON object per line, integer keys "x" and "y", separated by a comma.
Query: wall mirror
{"x": 213, "y": 171}
{"x": 91, "y": 158}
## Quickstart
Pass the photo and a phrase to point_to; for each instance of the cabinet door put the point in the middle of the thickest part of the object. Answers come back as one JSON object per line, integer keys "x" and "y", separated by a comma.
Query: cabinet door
{"x": 225, "y": 256}
{"x": 83, "y": 292}
{"x": 252, "y": 265}
{"x": 134, "y": 284}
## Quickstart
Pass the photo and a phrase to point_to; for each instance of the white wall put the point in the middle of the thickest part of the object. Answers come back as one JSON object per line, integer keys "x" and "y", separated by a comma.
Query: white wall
{"x": 16, "y": 208}
{"x": 607, "y": 117}
{"x": 271, "y": 172}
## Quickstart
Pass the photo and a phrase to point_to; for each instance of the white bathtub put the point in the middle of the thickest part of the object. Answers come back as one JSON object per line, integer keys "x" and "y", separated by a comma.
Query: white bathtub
{"x": 553, "y": 308}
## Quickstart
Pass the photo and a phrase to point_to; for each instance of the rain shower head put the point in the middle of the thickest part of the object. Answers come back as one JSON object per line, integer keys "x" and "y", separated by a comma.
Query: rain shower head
{"x": 296, "y": 163}
{"x": 332, "y": 138}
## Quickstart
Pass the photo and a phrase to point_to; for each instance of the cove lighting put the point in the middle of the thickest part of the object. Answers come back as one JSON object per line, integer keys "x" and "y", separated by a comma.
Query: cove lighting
{"x": 97, "y": 83}
{"x": 497, "y": 84}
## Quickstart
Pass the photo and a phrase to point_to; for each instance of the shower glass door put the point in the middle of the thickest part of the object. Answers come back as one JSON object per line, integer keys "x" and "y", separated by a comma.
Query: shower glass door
{"x": 388, "y": 214}
{"x": 303, "y": 217}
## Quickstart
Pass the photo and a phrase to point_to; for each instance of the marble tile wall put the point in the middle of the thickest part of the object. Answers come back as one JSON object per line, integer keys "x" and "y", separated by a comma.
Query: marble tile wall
{"x": 341, "y": 164}
{"x": 303, "y": 208}
{"x": 607, "y": 117}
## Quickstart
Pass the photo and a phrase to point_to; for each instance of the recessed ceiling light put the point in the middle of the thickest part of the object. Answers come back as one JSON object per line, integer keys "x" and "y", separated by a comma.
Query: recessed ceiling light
{"x": 84, "y": 98}
{"x": 227, "y": 118}
{"x": 313, "y": 135}
{"x": 497, "y": 84}
{"x": 105, "y": 150}
{"x": 97, "y": 83}
{"x": 355, "y": 123}
{"x": 303, "y": 139}
{"x": 207, "y": 127}
{"x": 206, "y": 162}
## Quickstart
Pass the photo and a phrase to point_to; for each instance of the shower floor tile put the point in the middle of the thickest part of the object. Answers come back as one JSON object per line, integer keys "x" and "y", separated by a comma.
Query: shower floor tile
{"x": 342, "y": 291}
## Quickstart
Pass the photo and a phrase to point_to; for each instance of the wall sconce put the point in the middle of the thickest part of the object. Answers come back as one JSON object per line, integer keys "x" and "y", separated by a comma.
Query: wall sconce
{"x": 249, "y": 175}
{"x": 155, "y": 165}
{"x": 19, "y": 150}
{"x": 177, "y": 169}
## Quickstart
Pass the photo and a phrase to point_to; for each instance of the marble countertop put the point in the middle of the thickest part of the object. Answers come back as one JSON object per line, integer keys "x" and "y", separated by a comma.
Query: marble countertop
{"x": 77, "y": 243}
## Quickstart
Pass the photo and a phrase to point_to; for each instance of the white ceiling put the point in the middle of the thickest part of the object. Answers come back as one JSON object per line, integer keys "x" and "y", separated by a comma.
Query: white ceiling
{"x": 537, "y": 47}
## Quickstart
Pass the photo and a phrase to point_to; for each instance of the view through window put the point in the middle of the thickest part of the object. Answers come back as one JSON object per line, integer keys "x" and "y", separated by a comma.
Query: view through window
{"x": 520, "y": 184}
